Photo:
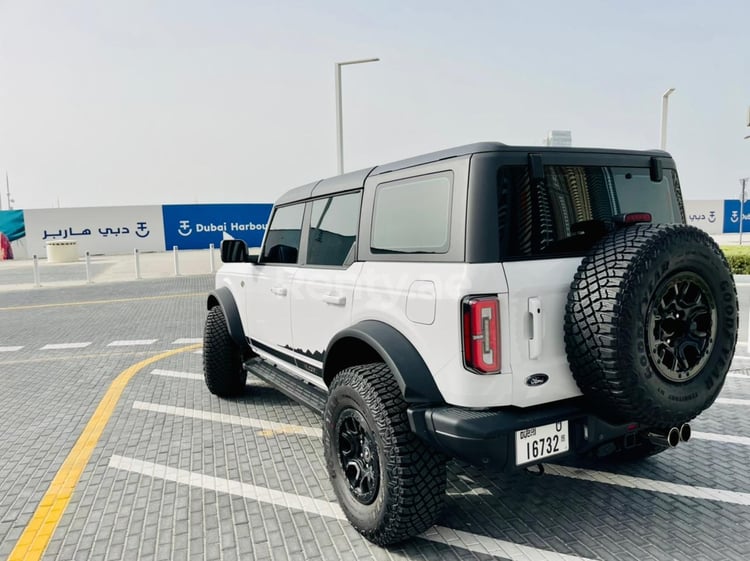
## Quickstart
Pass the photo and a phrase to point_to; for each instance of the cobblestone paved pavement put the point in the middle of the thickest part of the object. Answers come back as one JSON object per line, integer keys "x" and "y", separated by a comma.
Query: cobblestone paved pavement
{"x": 181, "y": 474}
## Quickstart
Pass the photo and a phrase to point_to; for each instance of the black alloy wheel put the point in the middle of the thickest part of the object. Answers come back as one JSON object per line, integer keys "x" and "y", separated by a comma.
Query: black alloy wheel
{"x": 357, "y": 452}
{"x": 682, "y": 327}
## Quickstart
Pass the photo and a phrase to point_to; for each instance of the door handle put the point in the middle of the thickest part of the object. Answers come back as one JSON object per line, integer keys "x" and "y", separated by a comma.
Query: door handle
{"x": 535, "y": 342}
{"x": 279, "y": 291}
{"x": 334, "y": 299}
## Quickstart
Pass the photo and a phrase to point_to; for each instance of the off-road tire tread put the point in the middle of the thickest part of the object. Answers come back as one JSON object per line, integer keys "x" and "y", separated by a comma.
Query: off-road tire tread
{"x": 595, "y": 309}
{"x": 222, "y": 359}
{"x": 415, "y": 473}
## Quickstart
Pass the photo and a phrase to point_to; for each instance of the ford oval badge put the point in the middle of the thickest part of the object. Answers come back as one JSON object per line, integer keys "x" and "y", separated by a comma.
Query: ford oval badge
{"x": 536, "y": 379}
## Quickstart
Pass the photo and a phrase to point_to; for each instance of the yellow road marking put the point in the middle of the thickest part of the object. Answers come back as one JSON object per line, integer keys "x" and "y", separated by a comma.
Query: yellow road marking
{"x": 38, "y": 533}
{"x": 113, "y": 301}
{"x": 271, "y": 433}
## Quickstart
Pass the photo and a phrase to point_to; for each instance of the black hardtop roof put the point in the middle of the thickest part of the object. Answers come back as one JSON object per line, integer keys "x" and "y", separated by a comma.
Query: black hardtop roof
{"x": 356, "y": 179}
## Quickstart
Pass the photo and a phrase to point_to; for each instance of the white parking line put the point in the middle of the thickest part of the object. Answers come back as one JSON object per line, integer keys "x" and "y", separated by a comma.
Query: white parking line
{"x": 177, "y": 374}
{"x": 732, "y": 401}
{"x": 62, "y": 346}
{"x": 10, "y": 349}
{"x": 262, "y": 494}
{"x": 229, "y": 419}
{"x": 132, "y": 343}
{"x": 492, "y": 546}
{"x": 738, "y": 375}
{"x": 653, "y": 485}
{"x": 729, "y": 438}
{"x": 187, "y": 341}
{"x": 456, "y": 538}
{"x": 574, "y": 473}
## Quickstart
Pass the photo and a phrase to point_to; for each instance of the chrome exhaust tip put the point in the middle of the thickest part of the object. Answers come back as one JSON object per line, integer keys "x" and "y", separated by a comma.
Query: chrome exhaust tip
{"x": 685, "y": 432}
{"x": 668, "y": 440}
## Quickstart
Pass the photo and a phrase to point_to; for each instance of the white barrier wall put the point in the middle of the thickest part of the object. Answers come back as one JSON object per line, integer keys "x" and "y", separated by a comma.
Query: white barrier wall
{"x": 99, "y": 230}
{"x": 706, "y": 215}
{"x": 119, "y": 230}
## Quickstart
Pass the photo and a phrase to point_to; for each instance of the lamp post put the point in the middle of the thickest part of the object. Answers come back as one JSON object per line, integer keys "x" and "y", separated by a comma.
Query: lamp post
{"x": 339, "y": 116}
{"x": 743, "y": 182}
{"x": 664, "y": 110}
{"x": 7, "y": 187}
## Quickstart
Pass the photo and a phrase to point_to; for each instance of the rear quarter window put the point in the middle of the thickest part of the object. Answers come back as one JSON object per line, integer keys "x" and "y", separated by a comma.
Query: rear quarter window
{"x": 413, "y": 215}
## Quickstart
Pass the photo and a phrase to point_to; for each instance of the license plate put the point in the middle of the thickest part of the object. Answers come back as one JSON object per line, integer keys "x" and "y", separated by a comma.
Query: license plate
{"x": 537, "y": 443}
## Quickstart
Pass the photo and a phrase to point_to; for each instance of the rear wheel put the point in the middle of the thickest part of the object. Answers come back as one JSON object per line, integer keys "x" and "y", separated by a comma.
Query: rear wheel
{"x": 222, "y": 358}
{"x": 389, "y": 483}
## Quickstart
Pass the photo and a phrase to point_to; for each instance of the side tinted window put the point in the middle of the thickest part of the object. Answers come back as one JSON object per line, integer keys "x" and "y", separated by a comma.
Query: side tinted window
{"x": 333, "y": 230}
{"x": 413, "y": 215}
{"x": 282, "y": 238}
{"x": 573, "y": 206}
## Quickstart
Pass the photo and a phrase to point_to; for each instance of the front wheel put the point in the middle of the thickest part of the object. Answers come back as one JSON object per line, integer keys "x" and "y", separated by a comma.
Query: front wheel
{"x": 389, "y": 483}
{"x": 222, "y": 358}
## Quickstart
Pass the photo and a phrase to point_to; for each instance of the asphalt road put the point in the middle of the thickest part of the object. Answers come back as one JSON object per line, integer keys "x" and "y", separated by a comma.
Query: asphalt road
{"x": 176, "y": 473}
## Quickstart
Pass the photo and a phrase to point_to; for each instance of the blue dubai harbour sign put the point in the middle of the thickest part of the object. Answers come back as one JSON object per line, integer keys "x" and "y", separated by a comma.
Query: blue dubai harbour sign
{"x": 732, "y": 216}
{"x": 198, "y": 226}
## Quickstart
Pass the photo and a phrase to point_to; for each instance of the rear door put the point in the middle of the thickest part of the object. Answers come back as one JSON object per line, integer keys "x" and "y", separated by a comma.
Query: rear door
{"x": 555, "y": 221}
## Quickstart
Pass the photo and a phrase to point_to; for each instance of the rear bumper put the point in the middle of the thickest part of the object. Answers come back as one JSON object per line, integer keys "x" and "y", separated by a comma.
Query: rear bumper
{"x": 486, "y": 438}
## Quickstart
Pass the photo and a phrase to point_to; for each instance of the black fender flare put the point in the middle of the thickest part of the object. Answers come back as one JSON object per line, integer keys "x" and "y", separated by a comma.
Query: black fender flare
{"x": 409, "y": 369}
{"x": 223, "y": 297}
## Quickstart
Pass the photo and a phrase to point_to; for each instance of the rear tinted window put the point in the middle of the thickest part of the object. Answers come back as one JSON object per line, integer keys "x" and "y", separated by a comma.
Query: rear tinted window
{"x": 333, "y": 230}
{"x": 571, "y": 208}
{"x": 413, "y": 215}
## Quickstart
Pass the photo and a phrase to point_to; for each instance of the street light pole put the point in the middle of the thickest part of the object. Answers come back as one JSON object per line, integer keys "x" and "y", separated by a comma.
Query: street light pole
{"x": 7, "y": 191}
{"x": 339, "y": 116}
{"x": 743, "y": 182}
{"x": 664, "y": 109}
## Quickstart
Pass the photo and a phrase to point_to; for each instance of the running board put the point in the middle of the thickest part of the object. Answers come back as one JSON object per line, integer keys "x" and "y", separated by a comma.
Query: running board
{"x": 303, "y": 392}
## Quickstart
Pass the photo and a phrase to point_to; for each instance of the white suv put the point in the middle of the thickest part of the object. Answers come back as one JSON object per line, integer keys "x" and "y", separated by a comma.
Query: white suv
{"x": 502, "y": 305}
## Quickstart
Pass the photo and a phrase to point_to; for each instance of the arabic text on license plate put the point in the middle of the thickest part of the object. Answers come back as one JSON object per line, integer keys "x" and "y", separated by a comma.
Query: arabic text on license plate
{"x": 537, "y": 443}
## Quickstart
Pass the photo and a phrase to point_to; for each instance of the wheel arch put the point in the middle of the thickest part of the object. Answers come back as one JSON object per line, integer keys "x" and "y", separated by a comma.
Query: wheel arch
{"x": 375, "y": 341}
{"x": 223, "y": 297}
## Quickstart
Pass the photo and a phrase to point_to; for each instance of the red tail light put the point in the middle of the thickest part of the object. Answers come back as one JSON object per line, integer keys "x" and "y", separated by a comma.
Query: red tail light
{"x": 636, "y": 217}
{"x": 481, "y": 334}
{"x": 632, "y": 218}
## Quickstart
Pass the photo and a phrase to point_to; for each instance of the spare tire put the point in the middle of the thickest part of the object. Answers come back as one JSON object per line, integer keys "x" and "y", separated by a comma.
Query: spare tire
{"x": 651, "y": 324}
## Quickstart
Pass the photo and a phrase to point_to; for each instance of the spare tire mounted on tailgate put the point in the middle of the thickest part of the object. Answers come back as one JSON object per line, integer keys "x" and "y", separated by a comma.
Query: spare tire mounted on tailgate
{"x": 651, "y": 324}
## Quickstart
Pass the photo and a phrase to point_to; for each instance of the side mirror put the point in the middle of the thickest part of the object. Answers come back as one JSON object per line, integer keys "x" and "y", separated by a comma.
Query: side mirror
{"x": 235, "y": 251}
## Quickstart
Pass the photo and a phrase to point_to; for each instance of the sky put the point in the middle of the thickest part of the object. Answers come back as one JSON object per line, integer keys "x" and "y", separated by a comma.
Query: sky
{"x": 164, "y": 101}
